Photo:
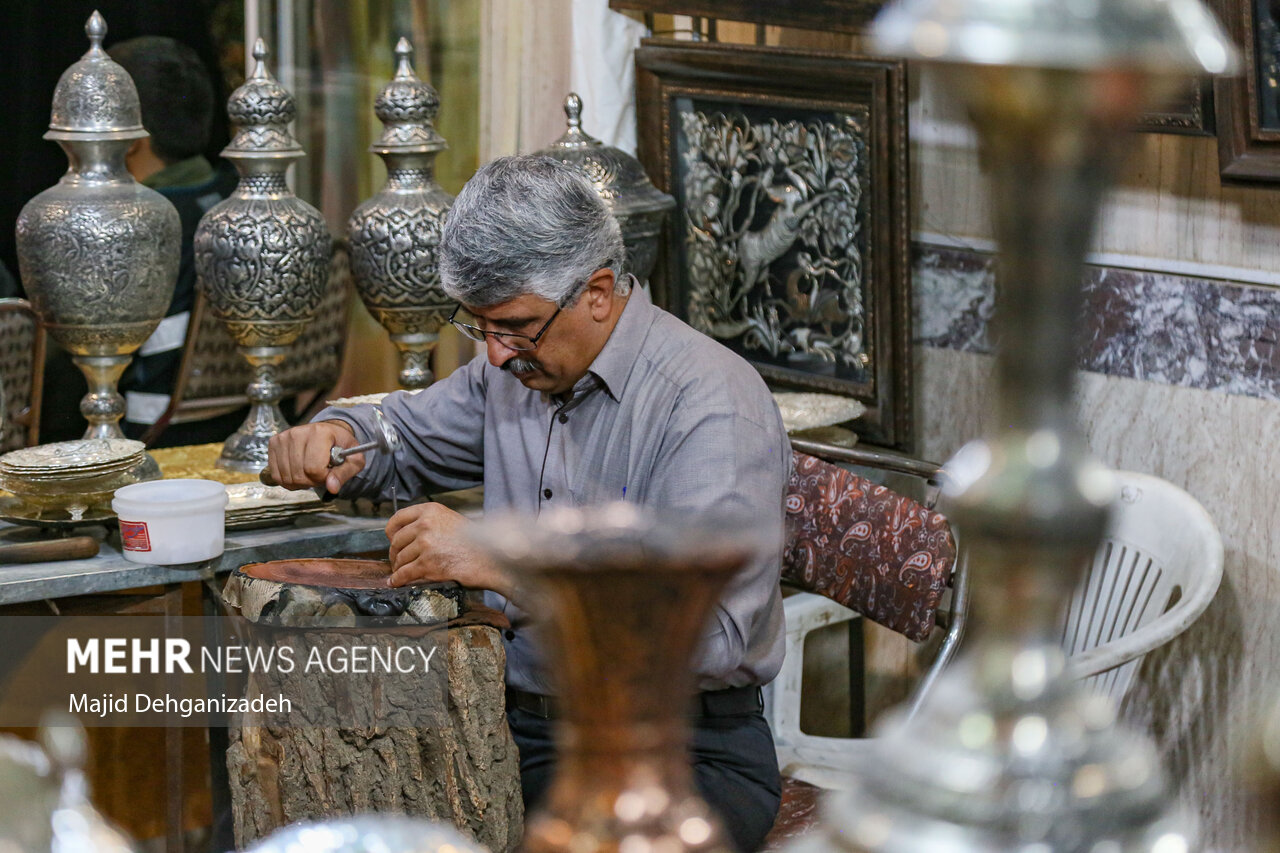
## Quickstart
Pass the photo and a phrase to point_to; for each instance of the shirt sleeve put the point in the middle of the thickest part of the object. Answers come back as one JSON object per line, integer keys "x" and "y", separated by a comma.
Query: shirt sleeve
{"x": 441, "y": 437}
{"x": 726, "y": 463}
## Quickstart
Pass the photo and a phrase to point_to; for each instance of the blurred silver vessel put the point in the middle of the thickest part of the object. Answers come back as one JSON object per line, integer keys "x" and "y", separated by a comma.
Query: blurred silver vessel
{"x": 44, "y": 796}
{"x": 1008, "y": 752}
{"x": 98, "y": 252}
{"x": 619, "y": 179}
{"x": 395, "y": 234}
{"x": 262, "y": 255}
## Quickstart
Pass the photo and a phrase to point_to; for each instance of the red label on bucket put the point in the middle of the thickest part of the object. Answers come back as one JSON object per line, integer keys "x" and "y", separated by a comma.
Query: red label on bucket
{"x": 133, "y": 534}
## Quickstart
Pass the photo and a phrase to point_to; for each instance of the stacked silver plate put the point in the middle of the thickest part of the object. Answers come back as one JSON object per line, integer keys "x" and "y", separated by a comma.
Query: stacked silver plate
{"x": 73, "y": 475}
{"x": 255, "y": 505}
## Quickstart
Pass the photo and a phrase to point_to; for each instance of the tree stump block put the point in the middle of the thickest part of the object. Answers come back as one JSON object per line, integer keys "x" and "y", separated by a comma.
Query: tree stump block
{"x": 431, "y": 744}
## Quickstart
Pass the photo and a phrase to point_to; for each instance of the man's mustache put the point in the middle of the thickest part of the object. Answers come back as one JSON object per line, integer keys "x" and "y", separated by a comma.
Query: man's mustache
{"x": 520, "y": 365}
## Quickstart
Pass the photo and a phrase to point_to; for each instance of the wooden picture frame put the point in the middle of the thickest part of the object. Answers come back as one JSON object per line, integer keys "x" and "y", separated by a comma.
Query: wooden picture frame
{"x": 1248, "y": 105}
{"x": 789, "y": 242}
{"x": 846, "y": 16}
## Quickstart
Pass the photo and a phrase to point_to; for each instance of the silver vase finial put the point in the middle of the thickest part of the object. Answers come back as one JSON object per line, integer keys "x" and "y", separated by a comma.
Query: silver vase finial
{"x": 260, "y": 54}
{"x": 261, "y": 110}
{"x": 404, "y": 60}
{"x": 407, "y": 106}
{"x": 96, "y": 29}
{"x": 573, "y": 110}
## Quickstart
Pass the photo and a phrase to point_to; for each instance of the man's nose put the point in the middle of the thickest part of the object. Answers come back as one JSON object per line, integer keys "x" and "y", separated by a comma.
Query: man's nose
{"x": 499, "y": 353}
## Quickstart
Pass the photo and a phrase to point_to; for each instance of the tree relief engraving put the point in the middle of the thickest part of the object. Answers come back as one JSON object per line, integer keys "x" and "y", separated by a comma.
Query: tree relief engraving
{"x": 774, "y": 219}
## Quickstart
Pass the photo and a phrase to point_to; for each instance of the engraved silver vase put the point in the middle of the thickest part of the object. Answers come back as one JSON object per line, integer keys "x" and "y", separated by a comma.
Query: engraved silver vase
{"x": 262, "y": 255}
{"x": 395, "y": 234}
{"x": 98, "y": 252}
{"x": 619, "y": 179}
{"x": 1008, "y": 752}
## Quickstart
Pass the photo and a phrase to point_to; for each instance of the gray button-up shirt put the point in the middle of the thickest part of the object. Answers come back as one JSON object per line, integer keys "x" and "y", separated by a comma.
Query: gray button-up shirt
{"x": 666, "y": 418}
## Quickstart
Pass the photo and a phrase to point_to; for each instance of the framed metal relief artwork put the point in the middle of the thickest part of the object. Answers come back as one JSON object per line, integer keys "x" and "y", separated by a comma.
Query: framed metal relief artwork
{"x": 789, "y": 239}
{"x": 1248, "y": 105}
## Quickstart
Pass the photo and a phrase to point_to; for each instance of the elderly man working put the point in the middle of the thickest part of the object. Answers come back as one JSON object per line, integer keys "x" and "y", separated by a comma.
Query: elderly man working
{"x": 588, "y": 394}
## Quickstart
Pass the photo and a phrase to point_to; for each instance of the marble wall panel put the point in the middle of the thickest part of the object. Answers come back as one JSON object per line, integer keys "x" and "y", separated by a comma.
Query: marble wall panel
{"x": 1138, "y": 324}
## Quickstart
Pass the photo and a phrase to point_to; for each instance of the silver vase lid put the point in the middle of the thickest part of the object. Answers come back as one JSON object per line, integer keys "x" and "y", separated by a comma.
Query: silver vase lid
{"x": 617, "y": 176}
{"x": 261, "y": 110}
{"x": 95, "y": 98}
{"x": 407, "y": 106}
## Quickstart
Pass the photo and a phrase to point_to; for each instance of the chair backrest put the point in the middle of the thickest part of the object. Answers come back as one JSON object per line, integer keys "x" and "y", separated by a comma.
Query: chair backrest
{"x": 22, "y": 341}
{"x": 1155, "y": 573}
{"x": 865, "y": 546}
{"x": 213, "y": 374}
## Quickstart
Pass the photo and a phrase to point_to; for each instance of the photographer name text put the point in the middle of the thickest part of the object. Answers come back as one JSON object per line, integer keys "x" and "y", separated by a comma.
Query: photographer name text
{"x": 143, "y": 703}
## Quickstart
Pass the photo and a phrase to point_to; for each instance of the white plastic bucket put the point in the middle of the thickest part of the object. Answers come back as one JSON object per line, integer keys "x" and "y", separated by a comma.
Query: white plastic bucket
{"x": 171, "y": 521}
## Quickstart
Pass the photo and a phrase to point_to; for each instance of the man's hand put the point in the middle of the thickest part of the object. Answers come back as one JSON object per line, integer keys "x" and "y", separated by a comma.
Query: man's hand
{"x": 428, "y": 544}
{"x": 299, "y": 457}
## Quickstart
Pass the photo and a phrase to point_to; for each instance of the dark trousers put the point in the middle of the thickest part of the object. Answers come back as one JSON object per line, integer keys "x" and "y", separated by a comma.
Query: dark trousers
{"x": 735, "y": 769}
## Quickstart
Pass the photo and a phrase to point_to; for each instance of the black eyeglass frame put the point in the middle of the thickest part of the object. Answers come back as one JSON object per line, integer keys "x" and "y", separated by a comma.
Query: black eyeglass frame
{"x": 507, "y": 339}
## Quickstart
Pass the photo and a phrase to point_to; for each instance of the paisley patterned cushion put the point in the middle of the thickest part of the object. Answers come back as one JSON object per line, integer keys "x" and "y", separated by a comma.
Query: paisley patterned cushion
{"x": 866, "y": 547}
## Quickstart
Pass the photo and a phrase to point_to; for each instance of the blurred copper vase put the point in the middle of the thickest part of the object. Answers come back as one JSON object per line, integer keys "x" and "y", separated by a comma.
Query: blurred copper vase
{"x": 625, "y": 596}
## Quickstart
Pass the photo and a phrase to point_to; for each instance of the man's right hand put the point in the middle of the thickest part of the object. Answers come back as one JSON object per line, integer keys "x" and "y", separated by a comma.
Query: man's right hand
{"x": 299, "y": 457}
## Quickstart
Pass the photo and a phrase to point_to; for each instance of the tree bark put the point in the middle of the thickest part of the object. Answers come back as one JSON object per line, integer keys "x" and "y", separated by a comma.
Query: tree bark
{"x": 446, "y": 755}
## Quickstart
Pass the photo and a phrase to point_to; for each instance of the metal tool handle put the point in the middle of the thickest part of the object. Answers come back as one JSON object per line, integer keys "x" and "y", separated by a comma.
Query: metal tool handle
{"x": 69, "y": 548}
{"x": 338, "y": 455}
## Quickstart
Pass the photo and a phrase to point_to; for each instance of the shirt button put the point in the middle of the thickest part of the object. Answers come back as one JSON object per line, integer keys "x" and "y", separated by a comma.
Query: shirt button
{"x": 564, "y": 419}
{"x": 546, "y": 493}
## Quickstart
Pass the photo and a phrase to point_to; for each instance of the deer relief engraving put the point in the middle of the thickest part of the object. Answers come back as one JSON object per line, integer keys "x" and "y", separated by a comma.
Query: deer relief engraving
{"x": 773, "y": 221}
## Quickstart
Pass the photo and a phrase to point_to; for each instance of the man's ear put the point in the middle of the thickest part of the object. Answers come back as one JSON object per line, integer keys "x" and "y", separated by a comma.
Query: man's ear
{"x": 600, "y": 295}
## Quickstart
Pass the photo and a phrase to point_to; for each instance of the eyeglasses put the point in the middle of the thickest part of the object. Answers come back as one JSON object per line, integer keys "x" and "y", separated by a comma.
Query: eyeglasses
{"x": 510, "y": 340}
{"x": 514, "y": 340}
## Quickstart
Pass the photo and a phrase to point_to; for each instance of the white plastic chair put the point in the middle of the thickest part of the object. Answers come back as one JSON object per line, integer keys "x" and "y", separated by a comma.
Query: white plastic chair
{"x": 1155, "y": 573}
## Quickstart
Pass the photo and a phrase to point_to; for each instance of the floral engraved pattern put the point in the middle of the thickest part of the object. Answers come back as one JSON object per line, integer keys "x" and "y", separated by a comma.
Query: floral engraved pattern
{"x": 96, "y": 94}
{"x": 866, "y": 547}
{"x": 393, "y": 255}
{"x": 407, "y": 100}
{"x": 775, "y": 219}
{"x": 109, "y": 262}
{"x": 262, "y": 260}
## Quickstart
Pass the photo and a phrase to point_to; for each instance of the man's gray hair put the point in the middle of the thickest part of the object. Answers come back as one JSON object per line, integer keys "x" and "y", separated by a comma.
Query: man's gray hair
{"x": 527, "y": 224}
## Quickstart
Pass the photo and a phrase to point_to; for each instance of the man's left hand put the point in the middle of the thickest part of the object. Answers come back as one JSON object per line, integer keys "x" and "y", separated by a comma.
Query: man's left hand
{"x": 428, "y": 543}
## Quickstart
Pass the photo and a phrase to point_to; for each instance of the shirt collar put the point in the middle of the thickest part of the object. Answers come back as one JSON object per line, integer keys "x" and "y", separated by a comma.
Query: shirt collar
{"x": 612, "y": 366}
